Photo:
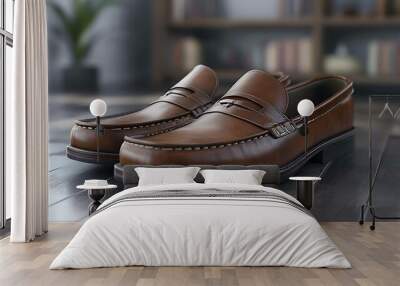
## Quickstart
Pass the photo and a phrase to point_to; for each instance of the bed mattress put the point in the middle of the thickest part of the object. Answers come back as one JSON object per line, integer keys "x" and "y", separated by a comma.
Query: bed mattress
{"x": 201, "y": 225}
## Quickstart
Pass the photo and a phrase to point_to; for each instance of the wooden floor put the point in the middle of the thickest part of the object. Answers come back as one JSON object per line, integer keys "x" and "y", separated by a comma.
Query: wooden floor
{"x": 375, "y": 257}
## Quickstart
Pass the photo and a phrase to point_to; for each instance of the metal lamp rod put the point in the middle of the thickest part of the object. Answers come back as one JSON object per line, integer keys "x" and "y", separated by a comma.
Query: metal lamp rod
{"x": 305, "y": 135}
{"x": 98, "y": 137}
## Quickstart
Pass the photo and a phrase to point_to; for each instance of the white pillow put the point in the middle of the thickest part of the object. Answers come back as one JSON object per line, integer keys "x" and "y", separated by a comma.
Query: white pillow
{"x": 165, "y": 176}
{"x": 247, "y": 177}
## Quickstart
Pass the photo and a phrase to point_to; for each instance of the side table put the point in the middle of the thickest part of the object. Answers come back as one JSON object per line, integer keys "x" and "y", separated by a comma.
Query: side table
{"x": 96, "y": 193}
{"x": 305, "y": 190}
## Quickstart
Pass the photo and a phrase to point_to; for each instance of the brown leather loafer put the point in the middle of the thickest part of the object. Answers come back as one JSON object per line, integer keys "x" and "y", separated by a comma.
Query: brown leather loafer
{"x": 255, "y": 123}
{"x": 179, "y": 106}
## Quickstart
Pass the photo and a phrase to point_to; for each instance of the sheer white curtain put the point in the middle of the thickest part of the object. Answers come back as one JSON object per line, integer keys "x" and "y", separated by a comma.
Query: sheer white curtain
{"x": 27, "y": 123}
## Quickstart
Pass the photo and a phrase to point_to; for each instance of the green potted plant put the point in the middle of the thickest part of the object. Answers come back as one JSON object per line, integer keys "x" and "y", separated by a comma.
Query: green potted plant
{"x": 75, "y": 25}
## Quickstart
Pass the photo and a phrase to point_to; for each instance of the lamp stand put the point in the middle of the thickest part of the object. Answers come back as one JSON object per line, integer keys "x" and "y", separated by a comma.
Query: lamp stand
{"x": 305, "y": 119}
{"x": 98, "y": 138}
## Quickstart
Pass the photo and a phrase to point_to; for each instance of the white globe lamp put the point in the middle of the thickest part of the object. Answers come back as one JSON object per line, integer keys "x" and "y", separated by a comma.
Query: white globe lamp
{"x": 98, "y": 107}
{"x": 305, "y": 108}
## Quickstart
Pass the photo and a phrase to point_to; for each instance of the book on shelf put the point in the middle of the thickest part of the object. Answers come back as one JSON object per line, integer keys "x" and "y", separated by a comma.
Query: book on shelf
{"x": 178, "y": 10}
{"x": 193, "y": 9}
{"x": 396, "y": 7}
{"x": 383, "y": 58}
{"x": 365, "y": 8}
{"x": 305, "y": 55}
{"x": 289, "y": 55}
{"x": 372, "y": 58}
{"x": 295, "y": 8}
{"x": 187, "y": 53}
{"x": 390, "y": 8}
{"x": 271, "y": 56}
{"x": 249, "y": 9}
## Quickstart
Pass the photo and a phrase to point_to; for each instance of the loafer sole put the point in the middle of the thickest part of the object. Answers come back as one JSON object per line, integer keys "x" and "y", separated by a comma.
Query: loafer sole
{"x": 325, "y": 152}
{"x": 92, "y": 156}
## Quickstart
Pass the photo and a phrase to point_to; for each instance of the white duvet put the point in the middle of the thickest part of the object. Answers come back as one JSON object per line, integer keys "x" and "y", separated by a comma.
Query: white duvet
{"x": 200, "y": 231}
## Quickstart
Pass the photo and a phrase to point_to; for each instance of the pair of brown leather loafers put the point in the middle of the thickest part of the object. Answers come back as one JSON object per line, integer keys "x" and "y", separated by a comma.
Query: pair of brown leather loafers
{"x": 179, "y": 106}
{"x": 254, "y": 123}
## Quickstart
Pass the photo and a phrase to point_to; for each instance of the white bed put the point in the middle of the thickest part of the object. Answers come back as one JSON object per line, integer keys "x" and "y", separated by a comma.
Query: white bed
{"x": 184, "y": 230}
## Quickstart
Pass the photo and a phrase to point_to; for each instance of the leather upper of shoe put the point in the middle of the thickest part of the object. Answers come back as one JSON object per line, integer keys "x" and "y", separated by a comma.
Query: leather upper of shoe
{"x": 192, "y": 95}
{"x": 196, "y": 90}
{"x": 255, "y": 122}
{"x": 256, "y": 104}
{"x": 179, "y": 106}
{"x": 255, "y": 93}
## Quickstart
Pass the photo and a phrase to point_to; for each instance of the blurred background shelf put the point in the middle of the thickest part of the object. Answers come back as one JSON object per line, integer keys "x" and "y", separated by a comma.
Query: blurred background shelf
{"x": 231, "y": 75}
{"x": 304, "y": 38}
{"x": 385, "y": 81}
{"x": 361, "y": 22}
{"x": 226, "y": 24}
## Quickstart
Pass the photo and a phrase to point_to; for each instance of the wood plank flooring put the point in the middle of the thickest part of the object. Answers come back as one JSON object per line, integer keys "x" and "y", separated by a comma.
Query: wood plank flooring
{"x": 375, "y": 257}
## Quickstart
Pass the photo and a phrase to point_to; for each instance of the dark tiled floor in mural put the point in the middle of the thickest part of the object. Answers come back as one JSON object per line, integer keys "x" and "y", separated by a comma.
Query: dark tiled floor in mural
{"x": 338, "y": 196}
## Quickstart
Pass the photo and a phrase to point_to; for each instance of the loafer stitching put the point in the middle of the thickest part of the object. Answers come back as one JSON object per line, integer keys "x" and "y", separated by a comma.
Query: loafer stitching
{"x": 198, "y": 148}
{"x": 140, "y": 126}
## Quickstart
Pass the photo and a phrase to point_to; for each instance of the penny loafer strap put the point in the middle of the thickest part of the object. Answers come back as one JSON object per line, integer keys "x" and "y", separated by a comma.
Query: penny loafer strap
{"x": 265, "y": 106}
{"x": 186, "y": 98}
{"x": 259, "y": 119}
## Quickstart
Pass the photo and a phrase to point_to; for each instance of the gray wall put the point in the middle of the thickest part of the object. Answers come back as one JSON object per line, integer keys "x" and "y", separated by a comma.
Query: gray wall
{"x": 122, "y": 50}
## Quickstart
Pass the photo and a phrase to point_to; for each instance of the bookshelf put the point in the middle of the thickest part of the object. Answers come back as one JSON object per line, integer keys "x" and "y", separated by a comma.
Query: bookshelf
{"x": 228, "y": 24}
{"x": 323, "y": 25}
{"x": 361, "y": 22}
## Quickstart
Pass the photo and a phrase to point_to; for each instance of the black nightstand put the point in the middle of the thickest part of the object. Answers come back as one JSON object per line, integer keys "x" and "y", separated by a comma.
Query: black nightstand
{"x": 305, "y": 189}
{"x": 96, "y": 193}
